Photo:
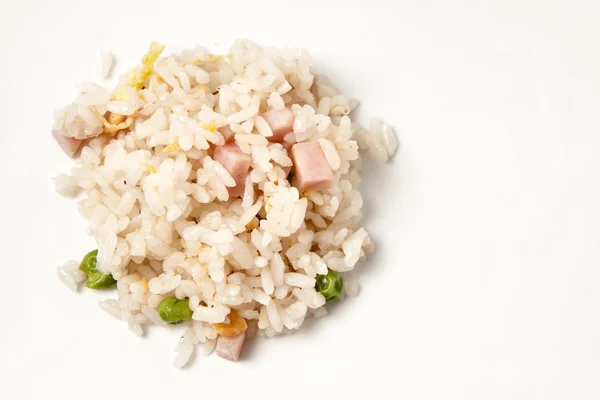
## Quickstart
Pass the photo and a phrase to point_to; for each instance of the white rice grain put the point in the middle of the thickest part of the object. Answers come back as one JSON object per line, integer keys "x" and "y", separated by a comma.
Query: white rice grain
{"x": 153, "y": 316}
{"x": 274, "y": 228}
{"x": 111, "y": 307}
{"x": 262, "y": 127}
{"x": 209, "y": 346}
{"x": 274, "y": 317}
{"x": 212, "y": 315}
{"x": 352, "y": 247}
{"x": 299, "y": 280}
{"x": 105, "y": 64}
{"x": 331, "y": 154}
{"x": 184, "y": 353}
{"x": 267, "y": 281}
{"x": 389, "y": 140}
{"x": 277, "y": 269}
{"x": 276, "y": 102}
{"x": 243, "y": 115}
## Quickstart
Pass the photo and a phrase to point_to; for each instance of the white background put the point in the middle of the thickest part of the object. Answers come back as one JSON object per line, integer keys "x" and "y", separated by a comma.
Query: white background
{"x": 486, "y": 280}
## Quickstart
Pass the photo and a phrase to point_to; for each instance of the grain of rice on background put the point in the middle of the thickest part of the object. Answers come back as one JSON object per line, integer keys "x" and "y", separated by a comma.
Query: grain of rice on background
{"x": 158, "y": 203}
{"x": 105, "y": 64}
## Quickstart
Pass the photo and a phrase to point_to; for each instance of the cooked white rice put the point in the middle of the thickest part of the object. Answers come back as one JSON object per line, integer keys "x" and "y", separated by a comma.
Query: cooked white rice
{"x": 158, "y": 205}
{"x": 105, "y": 64}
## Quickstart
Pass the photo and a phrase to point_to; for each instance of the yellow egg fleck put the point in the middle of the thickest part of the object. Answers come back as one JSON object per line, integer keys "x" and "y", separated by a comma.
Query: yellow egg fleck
{"x": 211, "y": 127}
{"x": 115, "y": 122}
{"x": 120, "y": 124}
{"x": 149, "y": 168}
{"x": 139, "y": 75}
{"x": 253, "y": 224}
{"x": 236, "y": 325}
{"x": 172, "y": 147}
{"x": 115, "y": 119}
{"x": 144, "y": 284}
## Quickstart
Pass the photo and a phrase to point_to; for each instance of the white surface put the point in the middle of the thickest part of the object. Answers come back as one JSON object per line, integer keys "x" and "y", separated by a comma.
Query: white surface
{"x": 485, "y": 283}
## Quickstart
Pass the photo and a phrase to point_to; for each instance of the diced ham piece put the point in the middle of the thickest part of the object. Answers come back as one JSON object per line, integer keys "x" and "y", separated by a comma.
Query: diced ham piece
{"x": 69, "y": 145}
{"x": 230, "y": 348}
{"x": 281, "y": 123}
{"x": 311, "y": 167}
{"x": 227, "y": 133}
{"x": 236, "y": 163}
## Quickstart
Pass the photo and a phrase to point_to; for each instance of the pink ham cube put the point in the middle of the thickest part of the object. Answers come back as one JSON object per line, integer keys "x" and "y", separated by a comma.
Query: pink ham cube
{"x": 227, "y": 133}
{"x": 230, "y": 348}
{"x": 69, "y": 145}
{"x": 236, "y": 163}
{"x": 311, "y": 167}
{"x": 281, "y": 123}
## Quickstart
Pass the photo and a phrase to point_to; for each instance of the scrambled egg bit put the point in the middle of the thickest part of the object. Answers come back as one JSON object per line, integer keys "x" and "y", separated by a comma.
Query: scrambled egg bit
{"x": 136, "y": 79}
{"x": 140, "y": 74}
{"x": 211, "y": 127}
{"x": 172, "y": 147}
{"x": 237, "y": 324}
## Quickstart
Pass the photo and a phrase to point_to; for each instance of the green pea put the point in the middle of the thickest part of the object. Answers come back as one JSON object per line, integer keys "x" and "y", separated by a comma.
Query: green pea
{"x": 330, "y": 285}
{"x": 175, "y": 311}
{"x": 88, "y": 264}
{"x": 99, "y": 280}
{"x": 96, "y": 279}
